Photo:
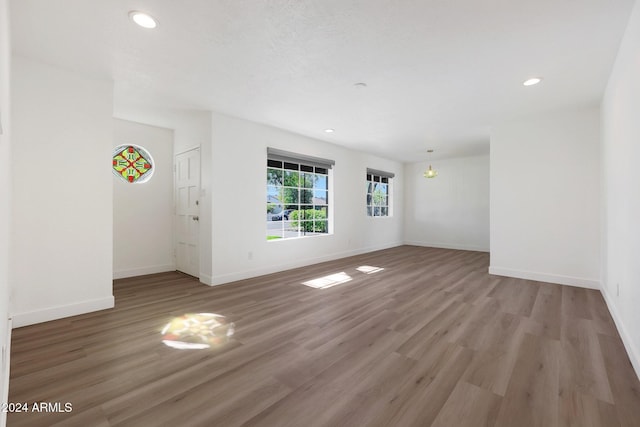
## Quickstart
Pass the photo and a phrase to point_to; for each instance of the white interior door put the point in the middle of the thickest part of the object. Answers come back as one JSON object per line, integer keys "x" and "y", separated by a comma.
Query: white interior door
{"x": 187, "y": 194}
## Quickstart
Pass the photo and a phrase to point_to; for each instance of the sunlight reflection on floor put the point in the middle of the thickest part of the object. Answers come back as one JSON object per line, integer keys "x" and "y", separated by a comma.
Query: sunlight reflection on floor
{"x": 328, "y": 281}
{"x": 197, "y": 331}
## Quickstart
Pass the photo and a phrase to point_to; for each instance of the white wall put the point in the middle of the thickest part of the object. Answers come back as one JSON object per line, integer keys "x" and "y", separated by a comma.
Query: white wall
{"x": 621, "y": 195}
{"x": 62, "y": 130}
{"x": 240, "y": 248}
{"x": 545, "y": 198}
{"x": 451, "y": 210}
{"x": 192, "y": 128}
{"x": 143, "y": 213}
{"x": 5, "y": 205}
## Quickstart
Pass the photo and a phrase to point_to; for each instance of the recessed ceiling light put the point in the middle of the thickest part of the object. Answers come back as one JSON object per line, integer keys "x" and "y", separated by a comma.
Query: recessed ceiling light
{"x": 329, "y": 130}
{"x": 532, "y": 81}
{"x": 143, "y": 19}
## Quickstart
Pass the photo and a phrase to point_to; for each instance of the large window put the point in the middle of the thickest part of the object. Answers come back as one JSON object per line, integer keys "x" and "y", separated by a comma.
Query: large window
{"x": 297, "y": 195}
{"x": 378, "y": 192}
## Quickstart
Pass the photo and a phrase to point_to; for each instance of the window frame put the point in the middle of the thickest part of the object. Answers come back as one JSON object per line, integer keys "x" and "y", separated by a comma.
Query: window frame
{"x": 374, "y": 206}
{"x": 306, "y": 182}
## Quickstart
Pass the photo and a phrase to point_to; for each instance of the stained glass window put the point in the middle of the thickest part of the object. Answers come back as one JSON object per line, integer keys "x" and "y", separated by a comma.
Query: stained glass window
{"x": 132, "y": 164}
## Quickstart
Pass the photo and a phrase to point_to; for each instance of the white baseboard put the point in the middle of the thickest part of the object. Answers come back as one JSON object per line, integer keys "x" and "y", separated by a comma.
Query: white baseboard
{"x": 61, "y": 311}
{"x": 544, "y": 277}
{"x": 5, "y": 372}
{"x": 460, "y": 247}
{"x": 632, "y": 350}
{"x": 206, "y": 279}
{"x": 241, "y": 275}
{"x": 133, "y": 272}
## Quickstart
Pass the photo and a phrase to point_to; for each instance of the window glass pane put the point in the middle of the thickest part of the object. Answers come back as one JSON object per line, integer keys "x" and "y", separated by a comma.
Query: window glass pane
{"x": 274, "y": 176}
{"x": 369, "y": 210}
{"x": 306, "y": 180}
{"x": 376, "y": 211}
{"x": 322, "y": 171}
{"x": 274, "y": 164}
{"x": 319, "y": 197}
{"x": 291, "y": 179}
{"x": 369, "y": 199}
{"x": 376, "y": 178}
{"x": 291, "y": 166}
{"x": 306, "y": 168}
{"x": 320, "y": 182}
{"x": 369, "y": 177}
{"x": 320, "y": 227}
{"x": 305, "y": 227}
{"x": 274, "y": 194}
{"x": 290, "y": 228}
{"x": 385, "y": 179}
{"x": 320, "y": 212}
{"x": 289, "y": 195}
{"x": 384, "y": 211}
{"x": 273, "y": 210}
{"x": 306, "y": 196}
{"x": 296, "y": 215}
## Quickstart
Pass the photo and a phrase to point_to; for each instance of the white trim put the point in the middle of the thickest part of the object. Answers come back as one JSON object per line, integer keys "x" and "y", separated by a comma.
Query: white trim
{"x": 61, "y": 311}
{"x": 175, "y": 207}
{"x": 459, "y": 247}
{"x": 632, "y": 350}
{"x": 544, "y": 277}
{"x": 122, "y": 274}
{"x": 206, "y": 279}
{"x": 5, "y": 369}
{"x": 240, "y": 275}
{"x": 195, "y": 147}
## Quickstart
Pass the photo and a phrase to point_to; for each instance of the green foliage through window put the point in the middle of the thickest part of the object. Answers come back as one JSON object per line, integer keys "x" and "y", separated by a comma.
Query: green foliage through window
{"x": 377, "y": 195}
{"x": 297, "y": 200}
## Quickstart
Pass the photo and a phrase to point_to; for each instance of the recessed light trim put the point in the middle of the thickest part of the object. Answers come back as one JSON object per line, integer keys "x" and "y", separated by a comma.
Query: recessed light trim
{"x": 329, "y": 130}
{"x": 143, "y": 19}
{"x": 532, "y": 81}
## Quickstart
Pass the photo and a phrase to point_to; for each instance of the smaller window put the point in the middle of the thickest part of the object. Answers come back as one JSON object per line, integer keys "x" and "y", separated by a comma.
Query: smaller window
{"x": 378, "y": 187}
{"x": 132, "y": 164}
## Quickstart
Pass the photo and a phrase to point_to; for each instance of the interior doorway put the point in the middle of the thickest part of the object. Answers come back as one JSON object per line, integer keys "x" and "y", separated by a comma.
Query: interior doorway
{"x": 187, "y": 225}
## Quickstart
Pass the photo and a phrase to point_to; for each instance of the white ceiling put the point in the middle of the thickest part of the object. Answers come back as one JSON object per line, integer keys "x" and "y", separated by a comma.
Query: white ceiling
{"x": 439, "y": 73}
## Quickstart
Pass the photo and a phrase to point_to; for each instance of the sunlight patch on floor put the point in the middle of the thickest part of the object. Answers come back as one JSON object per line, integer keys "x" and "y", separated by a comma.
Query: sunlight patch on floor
{"x": 197, "y": 331}
{"x": 328, "y": 281}
{"x": 368, "y": 269}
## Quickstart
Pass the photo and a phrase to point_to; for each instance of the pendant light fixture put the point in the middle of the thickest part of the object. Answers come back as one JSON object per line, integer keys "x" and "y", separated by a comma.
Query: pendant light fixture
{"x": 430, "y": 173}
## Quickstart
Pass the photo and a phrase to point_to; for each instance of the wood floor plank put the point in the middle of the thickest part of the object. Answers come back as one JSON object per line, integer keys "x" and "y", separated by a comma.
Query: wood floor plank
{"x": 581, "y": 364}
{"x": 531, "y": 398}
{"x": 602, "y": 319}
{"x": 430, "y": 338}
{"x": 624, "y": 385}
{"x": 469, "y": 406}
{"x": 580, "y": 410}
{"x": 575, "y": 302}
{"x": 428, "y": 389}
{"x": 498, "y": 344}
{"x": 547, "y": 310}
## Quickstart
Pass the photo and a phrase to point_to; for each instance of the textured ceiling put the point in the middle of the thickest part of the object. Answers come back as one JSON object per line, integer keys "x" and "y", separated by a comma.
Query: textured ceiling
{"x": 439, "y": 73}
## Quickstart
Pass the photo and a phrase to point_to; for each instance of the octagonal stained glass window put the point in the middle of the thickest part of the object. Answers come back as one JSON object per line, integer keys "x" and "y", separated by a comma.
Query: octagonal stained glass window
{"x": 132, "y": 164}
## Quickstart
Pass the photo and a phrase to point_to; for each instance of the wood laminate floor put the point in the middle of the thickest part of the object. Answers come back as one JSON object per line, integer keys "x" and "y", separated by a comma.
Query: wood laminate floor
{"x": 430, "y": 339}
